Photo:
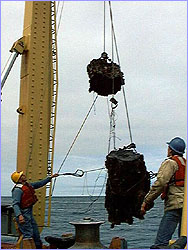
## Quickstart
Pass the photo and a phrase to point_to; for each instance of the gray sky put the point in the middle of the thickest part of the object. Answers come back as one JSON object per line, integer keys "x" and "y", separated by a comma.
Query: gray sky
{"x": 151, "y": 38}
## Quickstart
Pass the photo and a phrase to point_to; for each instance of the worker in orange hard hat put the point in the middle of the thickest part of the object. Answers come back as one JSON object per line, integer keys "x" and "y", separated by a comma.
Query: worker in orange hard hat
{"x": 170, "y": 185}
{"x": 24, "y": 197}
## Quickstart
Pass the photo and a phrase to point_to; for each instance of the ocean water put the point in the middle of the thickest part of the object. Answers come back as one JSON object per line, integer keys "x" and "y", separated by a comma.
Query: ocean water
{"x": 140, "y": 235}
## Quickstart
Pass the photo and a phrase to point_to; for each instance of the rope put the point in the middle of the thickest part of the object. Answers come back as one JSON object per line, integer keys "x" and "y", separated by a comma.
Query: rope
{"x": 127, "y": 113}
{"x": 79, "y": 131}
{"x": 91, "y": 170}
{"x": 151, "y": 176}
{"x": 104, "y": 26}
{"x": 109, "y": 139}
{"x": 77, "y": 173}
{"x": 124, "y": 96}
{"x": 86, "y": 183}
{"x": 6, "y": 64}
{"x": 112, "y": 130}
{"x": 94, "y": 107}
{"x": 80, "y": 172}
{"x": 112, "y": 115}
{"x": 57, "y": 8}
{"x": 77, "y": 134}
{"x": 113, "y": 32}
{"x": 60, "y": 15}
{"x": 91, "y": 204}
{"x": 135, "y": 184}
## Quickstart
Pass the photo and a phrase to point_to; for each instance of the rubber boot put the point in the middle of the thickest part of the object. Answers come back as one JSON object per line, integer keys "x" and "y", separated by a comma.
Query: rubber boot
{"x": 28, "y": 244}
{"x": 38, "y": 246}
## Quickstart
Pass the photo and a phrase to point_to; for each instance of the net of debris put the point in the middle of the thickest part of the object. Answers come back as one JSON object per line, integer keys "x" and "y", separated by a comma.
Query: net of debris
{"x": 127, "y": 184}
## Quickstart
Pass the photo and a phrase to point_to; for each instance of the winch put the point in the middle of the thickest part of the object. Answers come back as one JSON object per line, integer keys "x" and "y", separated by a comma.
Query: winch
{"x": 87, "y": 234}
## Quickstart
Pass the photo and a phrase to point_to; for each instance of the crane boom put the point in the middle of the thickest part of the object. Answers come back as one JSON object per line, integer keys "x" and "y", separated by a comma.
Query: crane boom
{"x": 17, "y": 48}
{"x": 38, "y": 98}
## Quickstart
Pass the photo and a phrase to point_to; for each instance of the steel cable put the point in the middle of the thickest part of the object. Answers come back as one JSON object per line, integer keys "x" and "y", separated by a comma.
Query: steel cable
{"x": 117, "y": 54}
{"x": 76, "y": 137}
{"x": 6, "y": 64}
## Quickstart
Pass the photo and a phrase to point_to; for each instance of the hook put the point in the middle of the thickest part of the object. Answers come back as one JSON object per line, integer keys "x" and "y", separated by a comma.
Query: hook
{"x": 77, "y": 173}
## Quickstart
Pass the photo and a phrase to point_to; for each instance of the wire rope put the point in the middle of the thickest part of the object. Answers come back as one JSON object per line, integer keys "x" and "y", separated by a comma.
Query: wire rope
{"x": 91, "y": 204}
{"x": 62, "y": 7}
{"x": 111, "y": 114}
{"x": 118, "y": 58}
{"x": 127, "y": 113}
{"x": 104, "y": 26}
{"x": 76, "y": 137}
{"x": 113, "y": 31}
{"x": 58, "y": 2}
{"x": 6, "y": 64}
{"x": 112, "y": 119}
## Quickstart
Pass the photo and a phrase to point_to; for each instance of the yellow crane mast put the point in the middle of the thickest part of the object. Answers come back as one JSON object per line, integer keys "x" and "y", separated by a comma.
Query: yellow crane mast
{"x": 38, "y": 98}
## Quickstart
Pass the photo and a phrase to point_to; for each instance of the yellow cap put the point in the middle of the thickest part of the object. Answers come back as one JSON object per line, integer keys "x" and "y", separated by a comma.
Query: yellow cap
{"x": 16, "y": 176}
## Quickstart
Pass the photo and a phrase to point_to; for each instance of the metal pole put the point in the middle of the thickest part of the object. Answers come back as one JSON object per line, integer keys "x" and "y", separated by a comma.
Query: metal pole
{"x": 5, "y": 75}
{"x": 184, "y": 213}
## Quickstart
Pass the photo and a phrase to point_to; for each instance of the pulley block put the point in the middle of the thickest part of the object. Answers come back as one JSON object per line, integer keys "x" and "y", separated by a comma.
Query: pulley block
{"x": 105, "y": 76}
{"x": 127, "y": 184}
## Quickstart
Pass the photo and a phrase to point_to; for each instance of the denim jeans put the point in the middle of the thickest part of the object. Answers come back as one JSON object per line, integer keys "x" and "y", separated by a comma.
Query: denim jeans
{"x": 168, "y": 226}
{"x": 29, "y": 229}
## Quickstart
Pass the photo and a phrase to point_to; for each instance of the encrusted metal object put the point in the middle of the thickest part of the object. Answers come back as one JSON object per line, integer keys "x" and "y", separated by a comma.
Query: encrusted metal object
{"x": 128, "y": 182}
{"x": 105, "y": 76}
{"x": 87, "y": 234}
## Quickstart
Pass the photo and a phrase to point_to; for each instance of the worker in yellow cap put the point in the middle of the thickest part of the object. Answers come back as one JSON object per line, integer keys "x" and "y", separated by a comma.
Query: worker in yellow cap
{"x": 24, "y": 197}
